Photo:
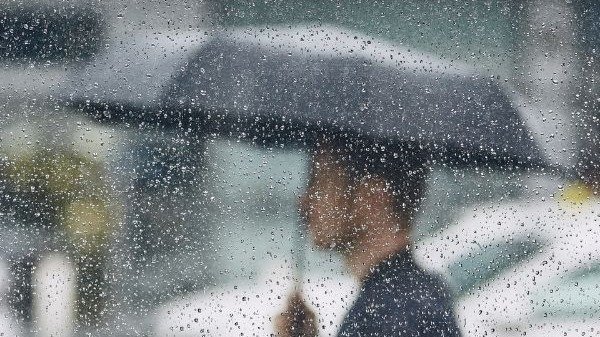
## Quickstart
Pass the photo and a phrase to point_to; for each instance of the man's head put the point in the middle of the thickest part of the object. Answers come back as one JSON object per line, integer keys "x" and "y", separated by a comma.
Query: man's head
{"x": 356, "y": 188}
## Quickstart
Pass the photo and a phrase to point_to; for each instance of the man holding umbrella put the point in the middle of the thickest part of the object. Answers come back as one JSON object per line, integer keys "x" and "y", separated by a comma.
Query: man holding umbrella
{"x": 376, "y": 114}
{"x": 360, "y": 202}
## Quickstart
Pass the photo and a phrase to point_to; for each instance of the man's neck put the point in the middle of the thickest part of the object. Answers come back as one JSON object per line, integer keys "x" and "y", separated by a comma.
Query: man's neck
{"x": 373, "y": 248}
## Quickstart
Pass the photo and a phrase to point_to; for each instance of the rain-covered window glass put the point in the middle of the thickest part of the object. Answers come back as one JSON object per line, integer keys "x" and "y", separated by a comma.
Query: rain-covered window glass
{"x": 299, "y": 168}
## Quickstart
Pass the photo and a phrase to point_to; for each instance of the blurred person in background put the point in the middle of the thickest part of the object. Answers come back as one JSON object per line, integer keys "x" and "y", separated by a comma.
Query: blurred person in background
{"x": 59, "y": 196}
{"x": 360, "y": 202}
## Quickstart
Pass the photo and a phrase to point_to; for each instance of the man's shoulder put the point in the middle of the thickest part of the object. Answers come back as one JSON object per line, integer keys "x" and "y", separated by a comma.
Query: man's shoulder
{"x": 403, "y": 301}
{"x": 410, "y": 283}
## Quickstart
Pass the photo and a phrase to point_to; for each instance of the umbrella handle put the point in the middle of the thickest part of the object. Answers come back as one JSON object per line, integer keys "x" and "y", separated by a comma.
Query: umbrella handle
{"x": 299, "y": 256}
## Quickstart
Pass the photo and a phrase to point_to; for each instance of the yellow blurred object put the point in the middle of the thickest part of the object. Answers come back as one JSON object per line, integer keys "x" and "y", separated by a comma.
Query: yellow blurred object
{"x": 577, "y": 194}
{"x": 57, "y": 174}
{"x": 87, "y": 222}
{"x": 67, "y": 186}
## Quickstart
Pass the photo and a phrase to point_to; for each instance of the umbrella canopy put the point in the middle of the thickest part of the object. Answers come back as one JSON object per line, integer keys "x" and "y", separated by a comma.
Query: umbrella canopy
{"x": 127, "y": 82}
{"x": 288, "y": 85}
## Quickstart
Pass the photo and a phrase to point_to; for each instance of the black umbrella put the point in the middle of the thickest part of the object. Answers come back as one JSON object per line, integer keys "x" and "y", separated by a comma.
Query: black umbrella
{"x": 287, "y": 85}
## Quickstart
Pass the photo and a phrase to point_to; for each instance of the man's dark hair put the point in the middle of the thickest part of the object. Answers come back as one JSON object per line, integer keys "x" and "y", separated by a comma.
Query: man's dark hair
{"x": 403, "y": 167}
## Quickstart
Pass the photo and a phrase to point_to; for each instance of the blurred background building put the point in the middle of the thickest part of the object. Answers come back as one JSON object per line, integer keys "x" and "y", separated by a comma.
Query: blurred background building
{"x": 159, "y": 201}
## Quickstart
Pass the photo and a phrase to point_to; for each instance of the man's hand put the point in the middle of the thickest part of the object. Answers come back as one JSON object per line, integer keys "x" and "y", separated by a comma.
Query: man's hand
{"x": 297, "y": 320}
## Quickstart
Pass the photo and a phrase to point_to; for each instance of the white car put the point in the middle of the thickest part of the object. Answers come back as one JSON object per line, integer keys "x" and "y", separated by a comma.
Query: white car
{"x": 530, "y": 267}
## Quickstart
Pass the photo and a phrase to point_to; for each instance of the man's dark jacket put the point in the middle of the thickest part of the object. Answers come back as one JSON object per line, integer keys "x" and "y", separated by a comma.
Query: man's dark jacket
{"x": 400, "y": 299}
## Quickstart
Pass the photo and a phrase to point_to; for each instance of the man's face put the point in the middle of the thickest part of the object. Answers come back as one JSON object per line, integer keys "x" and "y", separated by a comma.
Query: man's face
{"x": 327, "y": 204}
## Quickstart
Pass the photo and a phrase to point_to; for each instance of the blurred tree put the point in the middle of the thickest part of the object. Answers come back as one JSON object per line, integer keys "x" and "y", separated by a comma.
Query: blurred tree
{"x": 43, "y": 32}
